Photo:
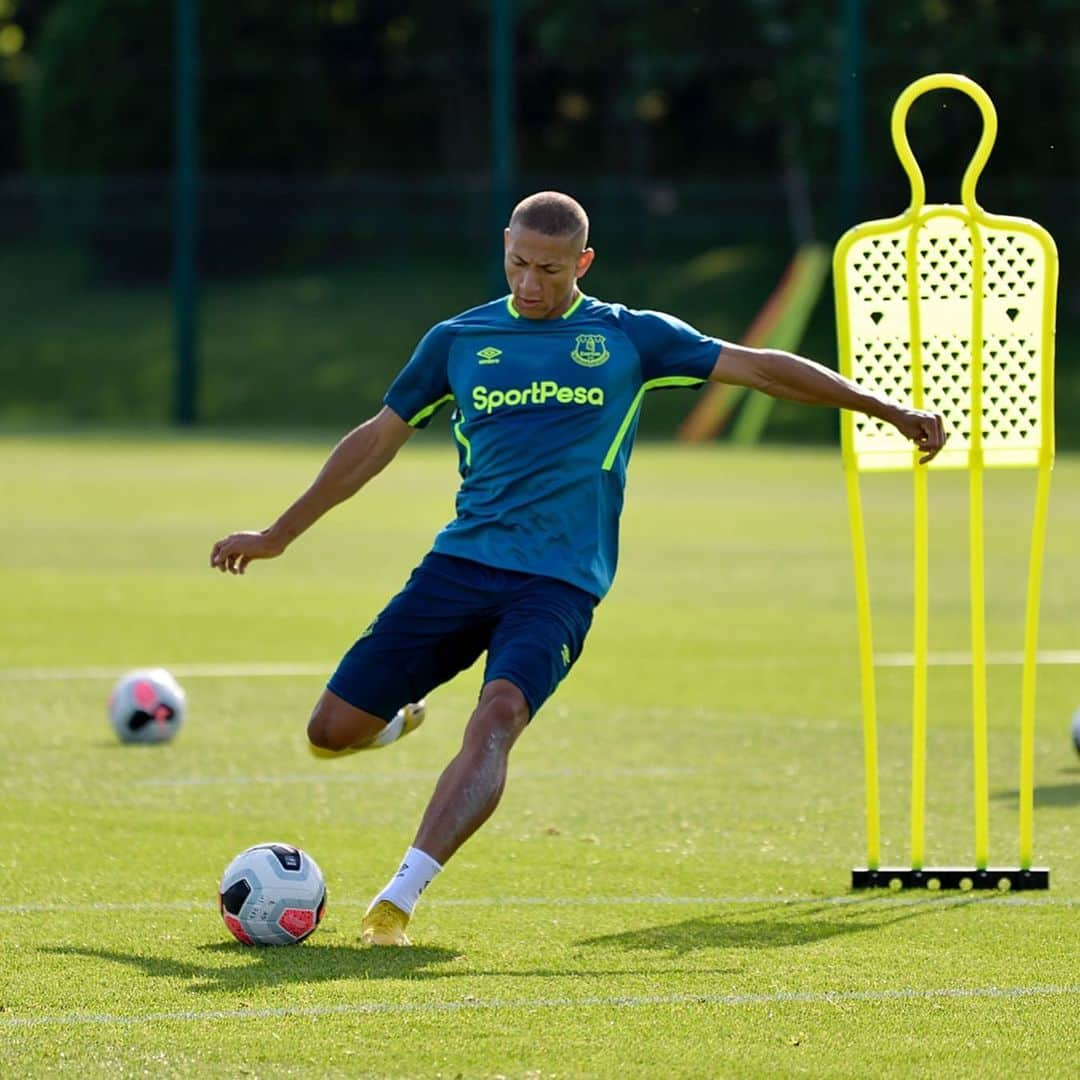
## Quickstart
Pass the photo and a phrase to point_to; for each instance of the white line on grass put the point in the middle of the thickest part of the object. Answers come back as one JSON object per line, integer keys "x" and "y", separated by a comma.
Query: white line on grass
{"x": 298, "y": 668}
{"x": 823, "y": 997}
{"x": 254, "y": 670}
{"x": 963, "y": 659}
{"x": 892, "y": 900}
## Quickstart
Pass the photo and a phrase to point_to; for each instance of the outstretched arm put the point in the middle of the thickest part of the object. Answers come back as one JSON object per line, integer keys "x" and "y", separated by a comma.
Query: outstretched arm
{"x": 363, "y": 453}
{"x": 785, "y": 375}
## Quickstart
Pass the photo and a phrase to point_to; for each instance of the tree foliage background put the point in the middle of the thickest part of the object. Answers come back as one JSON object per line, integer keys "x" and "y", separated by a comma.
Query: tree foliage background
{"x": 331, "y": 126}
{"x": 639, "y": 87}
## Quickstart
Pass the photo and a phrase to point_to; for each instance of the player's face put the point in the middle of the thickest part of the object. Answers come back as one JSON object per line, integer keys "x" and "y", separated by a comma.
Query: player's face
{"x": 542, "y": 271}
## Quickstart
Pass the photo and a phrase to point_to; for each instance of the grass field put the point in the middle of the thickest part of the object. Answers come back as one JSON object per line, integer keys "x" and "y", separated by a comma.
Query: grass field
{"x": 663, "y": 891}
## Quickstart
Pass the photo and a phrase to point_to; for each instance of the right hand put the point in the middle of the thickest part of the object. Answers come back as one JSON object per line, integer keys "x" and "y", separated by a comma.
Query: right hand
{"x": 925, "y": 429}
{"x": 235, "y": 551}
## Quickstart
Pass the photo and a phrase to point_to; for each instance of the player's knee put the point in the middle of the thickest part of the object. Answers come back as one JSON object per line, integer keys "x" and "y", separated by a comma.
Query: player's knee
{"x": 326, "y": 732}
{"x": 319, "y": 732}
{"x": 501, "y": 715}
{"x": 337, "y": 725}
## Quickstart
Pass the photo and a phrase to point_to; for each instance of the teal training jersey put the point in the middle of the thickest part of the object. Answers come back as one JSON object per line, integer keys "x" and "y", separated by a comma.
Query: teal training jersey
{"x": 545, "y": 413}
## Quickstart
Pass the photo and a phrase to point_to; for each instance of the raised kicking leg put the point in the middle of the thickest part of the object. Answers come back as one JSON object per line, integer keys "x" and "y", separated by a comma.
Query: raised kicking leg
{"x": 465, "y": 796}
{"x": 337, "y": 728}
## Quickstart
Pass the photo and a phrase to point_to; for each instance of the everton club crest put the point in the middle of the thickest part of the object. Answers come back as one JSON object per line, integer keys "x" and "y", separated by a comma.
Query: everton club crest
{"x": 590, "y": 350}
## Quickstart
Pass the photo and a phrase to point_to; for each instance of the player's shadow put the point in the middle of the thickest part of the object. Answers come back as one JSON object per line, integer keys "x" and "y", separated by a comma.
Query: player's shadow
{"x": 777, "y": 925}
{"x": 234, "y": 967}
{"x": 260, "y": 967}
{"x": 1064, "y": 794}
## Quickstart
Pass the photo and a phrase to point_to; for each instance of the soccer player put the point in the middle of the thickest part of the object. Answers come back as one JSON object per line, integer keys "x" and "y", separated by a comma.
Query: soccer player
{"x": 546, "y": 385}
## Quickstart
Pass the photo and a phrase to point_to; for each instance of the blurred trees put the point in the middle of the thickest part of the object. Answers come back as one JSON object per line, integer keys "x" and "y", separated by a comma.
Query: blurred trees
{"x": 639, "y": 87}
{"x": 331, "y": 129}
{"x": 620, "y": 91}
{"x": 98, "y": 103}
{"x": 99, "y": 93}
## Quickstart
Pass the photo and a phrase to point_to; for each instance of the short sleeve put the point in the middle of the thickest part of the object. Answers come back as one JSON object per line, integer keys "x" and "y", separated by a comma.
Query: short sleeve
{"x": 669, "y": 347}
{"x": 423, "y": 385}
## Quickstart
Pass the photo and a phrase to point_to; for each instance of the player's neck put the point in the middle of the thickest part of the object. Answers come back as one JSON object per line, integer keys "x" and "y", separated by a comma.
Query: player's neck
{"x": 571, "y": 300}
{"x": 561, "y": 310}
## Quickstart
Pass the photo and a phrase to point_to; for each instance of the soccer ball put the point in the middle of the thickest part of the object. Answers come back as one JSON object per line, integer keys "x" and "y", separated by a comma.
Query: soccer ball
{"x": 147, "y": 706}
{"x": 272, "y": 894}
{"x": 1076, "y": 730}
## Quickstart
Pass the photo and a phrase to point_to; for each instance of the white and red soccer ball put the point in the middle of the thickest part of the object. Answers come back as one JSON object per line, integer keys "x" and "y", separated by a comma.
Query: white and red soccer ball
{"x": 147, "y": 706}
{"x": 272, "y": 894}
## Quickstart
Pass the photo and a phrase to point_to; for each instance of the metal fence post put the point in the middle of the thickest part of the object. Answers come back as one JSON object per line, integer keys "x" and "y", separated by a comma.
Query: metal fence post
{"x": 503, "y": 149}
{"x": 185, "y": 212}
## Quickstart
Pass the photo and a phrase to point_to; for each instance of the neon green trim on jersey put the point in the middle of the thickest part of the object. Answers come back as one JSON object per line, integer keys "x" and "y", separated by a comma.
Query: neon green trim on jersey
{"x": 652, "y": 384}
{"x": 574, "y": 306}
{"x": 424, "y": 413}
{"x": 464, "y": 442}
{"x": 515, "y": 314}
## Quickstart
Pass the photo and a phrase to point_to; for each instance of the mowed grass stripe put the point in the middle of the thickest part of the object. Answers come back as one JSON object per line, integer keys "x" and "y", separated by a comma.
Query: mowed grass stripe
{"x": 408, "y": 775}
{"x": 963, "y": 900}
{"x": 299, "y": 668}
{"x": 824, "y": 997}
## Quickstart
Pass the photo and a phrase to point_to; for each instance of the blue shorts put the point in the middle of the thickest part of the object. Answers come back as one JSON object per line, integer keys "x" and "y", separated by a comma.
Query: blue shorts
{"x": 449, "y": 612}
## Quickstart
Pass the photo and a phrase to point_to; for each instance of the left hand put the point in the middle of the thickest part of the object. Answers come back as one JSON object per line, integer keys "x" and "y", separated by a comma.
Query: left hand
{"x": 925, "y": 429}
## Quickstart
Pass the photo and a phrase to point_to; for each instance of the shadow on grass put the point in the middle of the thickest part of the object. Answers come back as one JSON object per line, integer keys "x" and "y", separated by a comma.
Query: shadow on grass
{"x": 1064, "y": 794}
{"x": 236, "y": 968}
{"x": 776, "y": 926}
{"x": 243, "y": 970}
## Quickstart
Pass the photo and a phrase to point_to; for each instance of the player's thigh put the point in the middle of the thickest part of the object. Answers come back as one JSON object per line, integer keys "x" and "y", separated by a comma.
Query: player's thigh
{"x": 538, "y": 639}
{"x": 427, "y": 634}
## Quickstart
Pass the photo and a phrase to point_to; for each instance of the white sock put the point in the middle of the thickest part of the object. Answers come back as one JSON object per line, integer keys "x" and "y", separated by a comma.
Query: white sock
{"x": 392, "y": 731}
{"x": 415, "y": 874}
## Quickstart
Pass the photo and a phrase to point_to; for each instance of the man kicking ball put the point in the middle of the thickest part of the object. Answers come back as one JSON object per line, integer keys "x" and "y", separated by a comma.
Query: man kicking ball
{"x": 546, "y": 385}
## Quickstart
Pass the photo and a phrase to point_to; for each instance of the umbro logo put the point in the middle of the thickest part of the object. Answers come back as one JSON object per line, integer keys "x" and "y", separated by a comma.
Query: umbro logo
{"x": 489, "y": 355}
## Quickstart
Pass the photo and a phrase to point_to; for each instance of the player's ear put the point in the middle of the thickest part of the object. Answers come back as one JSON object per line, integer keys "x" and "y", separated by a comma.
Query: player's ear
{"x": 506, "y": 238}
{"x": 584, "y": 261}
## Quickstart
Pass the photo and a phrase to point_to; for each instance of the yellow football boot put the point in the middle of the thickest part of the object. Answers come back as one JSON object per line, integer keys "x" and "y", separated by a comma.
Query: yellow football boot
{"x": 384, "y": 924}
{"x": 413, "y": 717}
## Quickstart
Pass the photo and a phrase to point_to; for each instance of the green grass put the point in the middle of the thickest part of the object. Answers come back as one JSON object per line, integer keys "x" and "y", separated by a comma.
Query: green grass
{"x": 663, "y": 891}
